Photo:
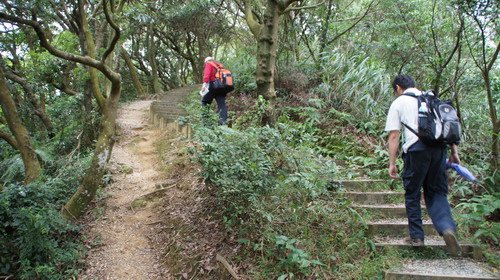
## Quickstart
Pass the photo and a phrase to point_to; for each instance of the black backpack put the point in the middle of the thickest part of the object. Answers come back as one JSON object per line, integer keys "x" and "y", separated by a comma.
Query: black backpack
{"x": 438, "y": 122}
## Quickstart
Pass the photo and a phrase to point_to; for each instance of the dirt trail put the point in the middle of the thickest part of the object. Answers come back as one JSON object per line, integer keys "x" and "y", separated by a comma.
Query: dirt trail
{"x": 120, "y": 246}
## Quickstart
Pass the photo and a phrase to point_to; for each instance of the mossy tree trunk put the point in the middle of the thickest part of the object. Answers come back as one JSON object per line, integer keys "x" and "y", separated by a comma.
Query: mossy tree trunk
{"x": 265, "y": 30}
{"x": 32, "y": 168}
{"x": 85, "y": 193}
{"x": 9, "y": 139}
{"x": 267, "y": 45}
{"x": 89, "y": 49}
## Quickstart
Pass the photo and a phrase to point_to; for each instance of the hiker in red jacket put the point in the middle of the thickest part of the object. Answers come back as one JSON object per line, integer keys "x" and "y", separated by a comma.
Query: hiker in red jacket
{"x": 208, "y": 92}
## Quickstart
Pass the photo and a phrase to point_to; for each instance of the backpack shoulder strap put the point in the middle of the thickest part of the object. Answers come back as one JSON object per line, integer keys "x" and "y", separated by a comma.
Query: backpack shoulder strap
{"x": 215, "y": 64}
{"x": 410, "y": 129}
{"x": 410, "y": 94}
{"x": 418, "y": 97}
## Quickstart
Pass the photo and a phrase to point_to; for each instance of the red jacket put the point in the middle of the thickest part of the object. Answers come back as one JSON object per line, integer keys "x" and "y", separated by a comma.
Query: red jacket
{"x": 209, "y": 72}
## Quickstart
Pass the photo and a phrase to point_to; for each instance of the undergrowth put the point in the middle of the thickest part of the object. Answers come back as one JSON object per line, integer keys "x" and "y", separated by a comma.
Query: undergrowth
{"x": 35, "y": 241}
{"x": 275, "y": 189}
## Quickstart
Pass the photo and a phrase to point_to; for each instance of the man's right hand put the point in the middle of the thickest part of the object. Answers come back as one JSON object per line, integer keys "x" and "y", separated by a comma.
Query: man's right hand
{"x": 393, "y": 153}
{"x": 393, "y": 171}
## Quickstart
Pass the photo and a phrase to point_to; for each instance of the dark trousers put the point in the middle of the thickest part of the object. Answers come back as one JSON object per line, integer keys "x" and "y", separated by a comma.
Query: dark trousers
{"x": 220, "y": 98}
{"x": 427, "y": 170}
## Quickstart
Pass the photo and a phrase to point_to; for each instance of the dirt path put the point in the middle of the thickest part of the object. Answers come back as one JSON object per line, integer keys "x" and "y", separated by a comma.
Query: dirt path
{"x": 120, "y": 246}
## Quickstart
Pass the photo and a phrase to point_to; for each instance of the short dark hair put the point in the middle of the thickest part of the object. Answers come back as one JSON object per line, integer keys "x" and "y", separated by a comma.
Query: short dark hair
{"x": 404, "y": 81}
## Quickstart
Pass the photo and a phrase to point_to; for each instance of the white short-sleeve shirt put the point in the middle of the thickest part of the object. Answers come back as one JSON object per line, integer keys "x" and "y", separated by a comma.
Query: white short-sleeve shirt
{"x": 404, "y": 110}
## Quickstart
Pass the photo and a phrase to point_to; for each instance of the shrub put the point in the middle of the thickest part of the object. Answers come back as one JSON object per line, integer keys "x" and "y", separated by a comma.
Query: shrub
{"x": 238, "y": 164}
{"x": 273, "y": 189}
{"x": 35, "y": 241}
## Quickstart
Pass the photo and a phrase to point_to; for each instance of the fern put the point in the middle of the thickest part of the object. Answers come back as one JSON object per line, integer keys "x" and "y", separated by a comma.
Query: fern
{"x": 13, "y": 168}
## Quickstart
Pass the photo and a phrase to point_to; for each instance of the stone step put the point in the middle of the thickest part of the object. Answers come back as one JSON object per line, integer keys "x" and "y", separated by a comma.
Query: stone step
{"x": 166, "y": 106}
{"x": 373, "y": 198}
{"x": 171, "y": 100}
{"x": 165, "y": 103}
{"x": 433, "y": 243}
{"x": 445, "y": 269}
{"x": 169, "y": 117}
{"x": 365, "y": 184}
{"x": 396, "y": 227}
{"x": 385, "y": 210}
{"x": 164, "y": 111}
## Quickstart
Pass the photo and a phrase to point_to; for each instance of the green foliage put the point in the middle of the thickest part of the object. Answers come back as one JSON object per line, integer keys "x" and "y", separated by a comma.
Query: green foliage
{"x": 67, "y": 41}
{"x": 13, "y": 169}
{"x": 176, "y": 13}
{"x": 353, "y": 84}
{"x": 242, "y": 173}
{"x": 243, "y": 69}
{"x": 295, "y": 258}
{"x": 480, "y": 214}
{"x": 252, "y": 116}
{"x": 272, "y": 187}
{"x": 35, "y": 241}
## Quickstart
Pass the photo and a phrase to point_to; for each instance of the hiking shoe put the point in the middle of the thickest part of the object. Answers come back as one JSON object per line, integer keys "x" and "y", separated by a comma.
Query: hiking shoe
{"x": 451, "y": 243}
{"x": 416, "y": 242}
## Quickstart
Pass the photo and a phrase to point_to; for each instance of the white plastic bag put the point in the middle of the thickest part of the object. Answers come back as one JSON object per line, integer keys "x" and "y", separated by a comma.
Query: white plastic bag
{"x": 204, "y": 89}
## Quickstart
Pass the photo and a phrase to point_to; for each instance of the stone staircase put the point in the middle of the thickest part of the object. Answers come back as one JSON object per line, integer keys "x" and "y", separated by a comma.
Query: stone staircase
{"x": 166, "y": 110}
{"x": 387, "y": 225}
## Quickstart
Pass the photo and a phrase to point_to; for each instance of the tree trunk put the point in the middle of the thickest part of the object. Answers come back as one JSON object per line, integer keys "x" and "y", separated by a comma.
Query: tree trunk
{"x": 89, "y": 132}
{"x": 76, "y": 206}
{"x": 90, "y": 50}
{"x": 133, "y": 73}
{"x": 495, "y": 124}
{"x": 157, "y": 88}
{"x": 436, "y": 83}
{"x": 266, "y": 51}
{"x": 32, "y": 168}
{"x": 494, "y": 146}
{"x": 199, "y": 64}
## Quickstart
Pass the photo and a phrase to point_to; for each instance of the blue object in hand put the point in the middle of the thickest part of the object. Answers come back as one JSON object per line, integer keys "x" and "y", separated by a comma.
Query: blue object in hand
{"x": 462, "y": 171}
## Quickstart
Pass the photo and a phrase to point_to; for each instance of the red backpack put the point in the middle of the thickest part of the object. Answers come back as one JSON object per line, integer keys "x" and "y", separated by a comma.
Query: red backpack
{"x": 223, "y": 77}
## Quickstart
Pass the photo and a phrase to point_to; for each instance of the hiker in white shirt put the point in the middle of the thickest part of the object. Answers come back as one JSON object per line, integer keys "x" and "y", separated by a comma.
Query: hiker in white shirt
{"x": 424, "y": 168}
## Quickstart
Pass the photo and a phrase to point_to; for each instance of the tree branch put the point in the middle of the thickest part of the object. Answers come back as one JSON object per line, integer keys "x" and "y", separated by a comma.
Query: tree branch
{"x": 63, "y": 20}
{"x": 86, "y": 60}
{"x": 494, "y": 57}
{"x": 9, "y": 139}
{"x": 285, "y": 3}
{"x": 116, "y": 36}
{"x": 434, "y": 36}
{"x": 419, "y": 45}
{"x": 457, "y": 44}
{"x": 71, "y": 19}
{"x": 483, "y": 43}
{"x": 353, "y": 25}
{"x": 253, "y": 24}
{"x": 291, "y": 8}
